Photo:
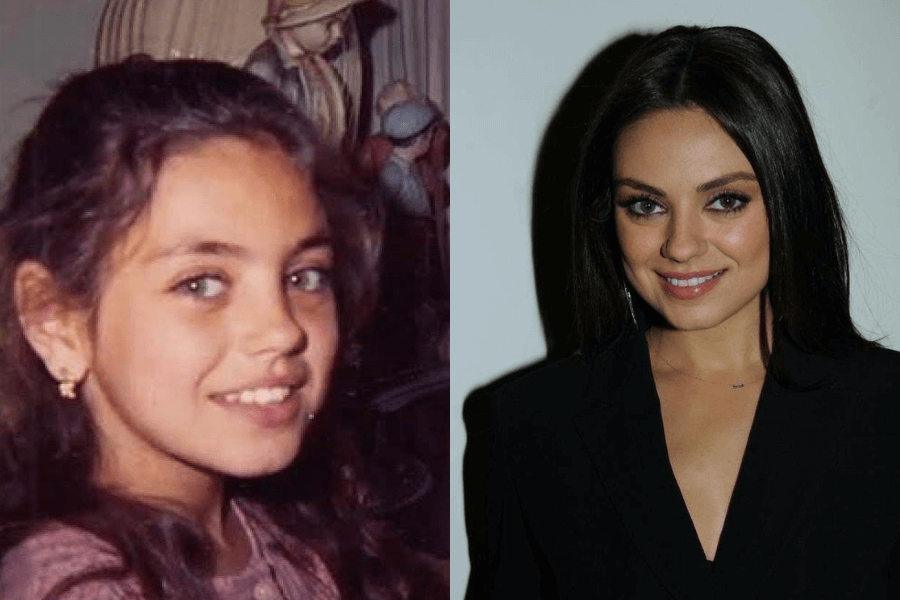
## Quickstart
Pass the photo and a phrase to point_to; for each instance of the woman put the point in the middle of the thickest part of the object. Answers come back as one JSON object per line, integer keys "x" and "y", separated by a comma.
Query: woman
{"x": 725, "y": 431}
{"x": 183, "y": 262}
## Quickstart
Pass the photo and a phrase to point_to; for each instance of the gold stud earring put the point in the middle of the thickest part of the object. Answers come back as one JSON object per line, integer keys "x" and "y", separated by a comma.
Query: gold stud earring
{"x": 66, "y": 385}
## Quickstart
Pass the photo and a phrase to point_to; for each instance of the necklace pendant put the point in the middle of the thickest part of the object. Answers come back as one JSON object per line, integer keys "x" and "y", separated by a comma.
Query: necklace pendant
{"x": 737, "y": 386}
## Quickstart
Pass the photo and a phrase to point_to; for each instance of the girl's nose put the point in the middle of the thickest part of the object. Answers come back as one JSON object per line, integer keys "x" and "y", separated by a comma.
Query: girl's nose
{"x": 273, "y": 326}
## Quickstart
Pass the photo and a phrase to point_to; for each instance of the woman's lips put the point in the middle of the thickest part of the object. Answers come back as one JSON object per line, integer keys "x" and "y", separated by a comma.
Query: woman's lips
{"x": 688, "y": 286}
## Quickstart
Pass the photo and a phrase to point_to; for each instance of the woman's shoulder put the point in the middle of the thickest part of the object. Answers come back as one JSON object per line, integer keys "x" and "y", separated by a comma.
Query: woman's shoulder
{"x": 861, "y": 381}
{"x": 57, "y": 555}
{"x": 569, "y": 377}
{"x": 872, "y": 368}
{"x": 872, "y": 376}
{"x": 879, "y": 358}
{"x": 558, "y": 389}
{"x": 531, "y": 385}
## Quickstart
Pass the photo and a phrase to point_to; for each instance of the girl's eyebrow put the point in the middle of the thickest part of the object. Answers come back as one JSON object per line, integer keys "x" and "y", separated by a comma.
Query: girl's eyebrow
{"x": 703, "y": 187}
{"x": 319, "y": 240}
{"x": 216, "y": 248}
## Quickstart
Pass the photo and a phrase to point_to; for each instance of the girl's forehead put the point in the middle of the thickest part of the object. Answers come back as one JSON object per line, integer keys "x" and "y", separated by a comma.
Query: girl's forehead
{"x": 230, "y": 191}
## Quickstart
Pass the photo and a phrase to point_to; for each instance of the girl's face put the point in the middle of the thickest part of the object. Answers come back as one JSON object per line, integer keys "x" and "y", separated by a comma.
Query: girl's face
{"x": 691, "y": 221}
{"x": 216, "y": 328}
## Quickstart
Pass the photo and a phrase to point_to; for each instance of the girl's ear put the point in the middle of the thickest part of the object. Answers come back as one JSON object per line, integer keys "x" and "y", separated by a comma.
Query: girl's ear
{"x": 57, "y": 332}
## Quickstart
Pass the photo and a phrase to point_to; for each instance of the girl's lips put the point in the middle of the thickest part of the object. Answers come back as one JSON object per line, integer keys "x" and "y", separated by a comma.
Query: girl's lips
{"x": 269, "y": 416}
{"x": 690, "y": 292}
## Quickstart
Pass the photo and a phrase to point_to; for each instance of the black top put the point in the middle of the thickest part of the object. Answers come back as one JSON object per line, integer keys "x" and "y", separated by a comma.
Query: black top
{"x": 582, "y": 501}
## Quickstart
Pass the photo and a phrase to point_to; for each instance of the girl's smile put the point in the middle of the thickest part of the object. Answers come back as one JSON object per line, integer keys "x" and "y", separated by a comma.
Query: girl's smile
{"x": 216, "y": 328}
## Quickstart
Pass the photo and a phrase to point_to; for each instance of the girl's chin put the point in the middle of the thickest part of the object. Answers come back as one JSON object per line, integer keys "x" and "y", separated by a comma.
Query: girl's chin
{"x": 260, "y": 465}
{"x": 260, "y": 470}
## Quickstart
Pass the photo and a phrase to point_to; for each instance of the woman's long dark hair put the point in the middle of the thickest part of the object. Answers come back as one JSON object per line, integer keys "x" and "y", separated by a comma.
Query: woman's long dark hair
{"x": 85, "y": 173}
{"x": 741, "y": 81}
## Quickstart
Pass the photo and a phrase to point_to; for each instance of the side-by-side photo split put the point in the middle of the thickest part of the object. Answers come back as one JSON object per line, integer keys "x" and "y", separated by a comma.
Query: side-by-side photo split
{"x": 228, "y": 285}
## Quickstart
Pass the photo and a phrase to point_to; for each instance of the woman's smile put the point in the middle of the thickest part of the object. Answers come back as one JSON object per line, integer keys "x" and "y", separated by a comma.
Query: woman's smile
{"x": 687, "y": 286}
{"x": 690, "y": 220}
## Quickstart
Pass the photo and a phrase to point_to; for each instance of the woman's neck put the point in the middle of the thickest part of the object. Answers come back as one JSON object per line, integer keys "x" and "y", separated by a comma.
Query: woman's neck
{"x": 729, "y": 349}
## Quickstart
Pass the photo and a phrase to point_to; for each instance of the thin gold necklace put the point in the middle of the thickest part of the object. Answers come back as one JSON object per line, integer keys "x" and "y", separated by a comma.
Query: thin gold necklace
{"x": 735, "y": 386}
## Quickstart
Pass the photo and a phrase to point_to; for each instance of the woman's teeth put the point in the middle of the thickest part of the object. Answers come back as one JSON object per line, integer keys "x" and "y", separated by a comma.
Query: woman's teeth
{"x": 693, "y": 281}
{"x": 258, "y": 396}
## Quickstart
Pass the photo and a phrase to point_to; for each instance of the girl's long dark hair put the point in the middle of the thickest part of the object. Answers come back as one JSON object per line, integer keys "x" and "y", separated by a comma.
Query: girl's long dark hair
{"x": 84, "y": 174}
{"x": 741, "y": 81}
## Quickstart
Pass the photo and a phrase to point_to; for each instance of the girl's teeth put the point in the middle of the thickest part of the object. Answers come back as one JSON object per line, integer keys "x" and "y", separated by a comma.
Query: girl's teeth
{"x": 258, "y": 396}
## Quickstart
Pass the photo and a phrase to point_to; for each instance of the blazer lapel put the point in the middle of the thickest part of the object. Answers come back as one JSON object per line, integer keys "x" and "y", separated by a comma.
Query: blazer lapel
{"x": 623, "y": 433}
{"x": 791, "y": 449}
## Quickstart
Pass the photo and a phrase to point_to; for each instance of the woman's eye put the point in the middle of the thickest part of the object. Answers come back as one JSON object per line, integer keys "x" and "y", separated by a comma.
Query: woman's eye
{"x": 644, "y": 207}
{"x": 728, "y": 203}
{"x": 204, "y": 286}
{"x": 310, "y": 280}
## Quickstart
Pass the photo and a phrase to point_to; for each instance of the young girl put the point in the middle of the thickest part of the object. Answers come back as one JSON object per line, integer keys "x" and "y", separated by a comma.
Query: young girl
{"x": 183, "y": 263}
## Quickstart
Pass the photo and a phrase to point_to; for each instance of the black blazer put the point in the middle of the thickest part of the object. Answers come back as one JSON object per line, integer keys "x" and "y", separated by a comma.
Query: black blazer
{"x": 582, "y": 501}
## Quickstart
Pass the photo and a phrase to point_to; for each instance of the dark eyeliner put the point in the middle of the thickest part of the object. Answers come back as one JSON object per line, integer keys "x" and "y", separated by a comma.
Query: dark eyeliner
{"x": 743, "y": 201}
{"x": 629, "y": 203}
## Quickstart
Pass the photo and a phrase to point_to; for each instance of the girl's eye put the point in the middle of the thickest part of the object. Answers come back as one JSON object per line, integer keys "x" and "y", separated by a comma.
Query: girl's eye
{"x": 204, "y": 286}
{"x": 728, "y": 203}
{"x": 310, "y": 280}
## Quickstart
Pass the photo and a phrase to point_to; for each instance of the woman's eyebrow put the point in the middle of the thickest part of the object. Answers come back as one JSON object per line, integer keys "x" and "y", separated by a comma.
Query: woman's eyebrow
{"x": 725, "y": 180}
{"x": 638, "y": 185}
{"x": 703, "y": 187}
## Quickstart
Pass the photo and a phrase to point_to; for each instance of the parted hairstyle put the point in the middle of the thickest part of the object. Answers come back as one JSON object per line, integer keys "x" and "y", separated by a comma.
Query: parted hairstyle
{"x": 740, "y": 80}
{"x": 84, "y": 174}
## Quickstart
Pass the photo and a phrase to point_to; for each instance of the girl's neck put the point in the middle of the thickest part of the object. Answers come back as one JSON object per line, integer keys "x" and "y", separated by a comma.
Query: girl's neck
{"x": 201, "y": 498}
{"x": 193, "y": 494}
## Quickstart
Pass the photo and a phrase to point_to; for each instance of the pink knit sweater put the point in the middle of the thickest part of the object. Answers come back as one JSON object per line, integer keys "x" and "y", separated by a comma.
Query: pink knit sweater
{"x": 34, "y": 567}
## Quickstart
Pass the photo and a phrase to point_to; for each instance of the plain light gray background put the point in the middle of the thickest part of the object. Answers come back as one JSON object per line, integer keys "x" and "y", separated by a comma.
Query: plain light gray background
{"x": 511, "y": 63}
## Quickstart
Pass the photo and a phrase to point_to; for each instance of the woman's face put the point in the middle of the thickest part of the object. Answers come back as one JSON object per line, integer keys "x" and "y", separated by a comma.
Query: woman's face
{"x": 691, "y": 221}
{"x": 216, "y": 328}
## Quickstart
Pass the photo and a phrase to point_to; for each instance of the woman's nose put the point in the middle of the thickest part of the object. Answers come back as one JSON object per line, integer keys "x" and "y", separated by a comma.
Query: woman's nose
{"x": 685, "y": 238}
